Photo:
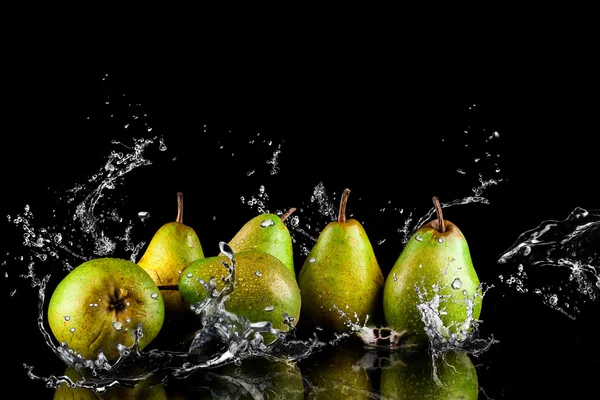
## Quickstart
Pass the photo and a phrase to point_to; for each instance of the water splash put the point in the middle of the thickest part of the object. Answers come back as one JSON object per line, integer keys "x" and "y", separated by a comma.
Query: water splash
{"x": 566, "y": 252}
{"x": 223, "y": 339}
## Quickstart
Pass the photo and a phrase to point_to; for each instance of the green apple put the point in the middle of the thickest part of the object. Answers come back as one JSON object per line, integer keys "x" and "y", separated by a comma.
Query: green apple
{"x": 100, "y": 303}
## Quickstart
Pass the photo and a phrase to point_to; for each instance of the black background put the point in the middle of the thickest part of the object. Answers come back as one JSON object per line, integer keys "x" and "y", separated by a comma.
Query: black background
{"x": 379, "y": 134}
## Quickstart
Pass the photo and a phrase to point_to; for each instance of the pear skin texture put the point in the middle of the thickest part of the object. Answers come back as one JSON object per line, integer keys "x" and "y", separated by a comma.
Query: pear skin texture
{"x": 414, "y": 379}
{"x": 342, "y": 270}
{"x": 99, "y": 304}
{"x": 173, "y": 246}
{"x": 272, "y": 238}
{"x": 426, "y": 261}
{"x": 143, "y": 390}
{"x": 275, "y": 287}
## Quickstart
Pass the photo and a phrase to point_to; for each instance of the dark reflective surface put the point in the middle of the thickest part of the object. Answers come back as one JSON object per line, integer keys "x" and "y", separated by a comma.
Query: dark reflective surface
{"x": 393, "y": 158}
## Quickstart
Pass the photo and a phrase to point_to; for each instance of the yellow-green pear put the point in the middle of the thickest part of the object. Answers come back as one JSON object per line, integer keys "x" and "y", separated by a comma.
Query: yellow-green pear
{"x": 451, "y": 376}
{"x": 172, "y": 248}
{"x": 265, "y": 288}
{"x": 341, "y": 274}
{"x": 266, "y": 232}
{"x": 100, "y": 303}
{"x": 436, "y": 261}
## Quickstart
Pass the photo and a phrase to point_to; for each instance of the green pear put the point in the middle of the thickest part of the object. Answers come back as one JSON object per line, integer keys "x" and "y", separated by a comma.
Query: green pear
{"x": 100, "y": 303}
{"x": 173, "y": 246}
{"x": 265, "y": 288}
{"x": 340, "y": 273}
{"x": 437, "y": 262}
{"x": 144, "y": 389}
{"x": 266, "y": 232}
{"x": 336, "y": 373}
{"x": 449, "y": 377}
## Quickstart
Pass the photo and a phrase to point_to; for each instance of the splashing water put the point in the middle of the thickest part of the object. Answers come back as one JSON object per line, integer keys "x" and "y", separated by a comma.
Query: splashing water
{"x": 223, "y": 339}
{"x": 569, "y": 248}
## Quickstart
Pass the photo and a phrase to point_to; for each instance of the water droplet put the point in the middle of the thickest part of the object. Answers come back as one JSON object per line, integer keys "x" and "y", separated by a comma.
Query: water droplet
{"x": 312, "y": 260}
{"x": 143, "y": 215}
{"x": 420, "y": 265}
{"x": 67, "y": 318}
{"x": 525, "y": 250}
{"x": 553, "y": 300}
{"x": 118, "y": 325}
{"x": 418, "y": 238}
{"x": 267, "y": 223}
{"x": 464, "y": 292}
{"x": 258, "y": 273}
{"x": 154, "y": 296}
{"x": 128, "y": 320}
{"x": 269, "y": 308}
{"x": 456, "y": 284}
{"x": 189, "y": 275}
{"x": 440, "y": 240}
{"x": 395, "y": 277}
{"x": 72, "y": 330}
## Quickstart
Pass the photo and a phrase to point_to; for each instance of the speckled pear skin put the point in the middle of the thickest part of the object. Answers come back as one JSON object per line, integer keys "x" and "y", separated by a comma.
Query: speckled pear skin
{"x": 261, "y": 235}
{"x": 431, "y": 258}
{"x": 99, "y": 304}
{"x": 171, "y": 249}
{"x": 413, "y": 378}
{"x": 342, "y": 270}
{"x": 274, "y": 286}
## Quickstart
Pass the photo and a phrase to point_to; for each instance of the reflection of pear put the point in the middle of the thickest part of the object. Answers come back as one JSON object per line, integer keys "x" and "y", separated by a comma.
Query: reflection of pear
{"x": 455, "y": 378}
{"x": 341, "y": 272}
{"x": 268, "y": 233}
{"x": 172, "y": 247}
{"x": 144, "y": 389}
{"x": 336, "y": 373}
{"x": 436, "y": 257}
{"x": 255, "y": 378}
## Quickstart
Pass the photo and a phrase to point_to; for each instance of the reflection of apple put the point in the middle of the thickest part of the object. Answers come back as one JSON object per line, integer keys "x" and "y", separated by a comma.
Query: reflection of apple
{"x": 144, "y": 389}
{"x": 100, "y": 303}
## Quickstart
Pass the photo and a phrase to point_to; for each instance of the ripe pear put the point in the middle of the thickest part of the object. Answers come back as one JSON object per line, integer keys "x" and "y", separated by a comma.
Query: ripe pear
{"x": 173, "y": 246}
{"x": 265, "y": 288}
{"x": 454, "y": 377}
{"x": 341, "y": 271}
{"x": 100, "y": 303}
{"x": 266, "y": 232}
{"x": 436, "y": 261}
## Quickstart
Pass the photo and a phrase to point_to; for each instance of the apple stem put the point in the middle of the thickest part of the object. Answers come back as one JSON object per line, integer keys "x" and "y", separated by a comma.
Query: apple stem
{"x": 179, "y": 208}
{"x": 288, "y": 213}
{"x": 440, "y": 216}
{"x": 343, "y": 201}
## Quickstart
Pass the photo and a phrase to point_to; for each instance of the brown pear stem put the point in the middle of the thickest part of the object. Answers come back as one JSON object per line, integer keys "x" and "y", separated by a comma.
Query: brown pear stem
{"x": 343, "y": 201}
{"x": 288, "y": 213}
{"x": 179, "y": 208}
{"x": 440, "y": 216}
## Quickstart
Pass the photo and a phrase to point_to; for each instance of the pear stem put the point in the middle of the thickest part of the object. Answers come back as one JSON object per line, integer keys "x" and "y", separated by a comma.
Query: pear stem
{"x": 440, "y": 216}
{"x": 343, "y": 201}
{"x": 179, "y": 208}
{"x": 288, "y": 213}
